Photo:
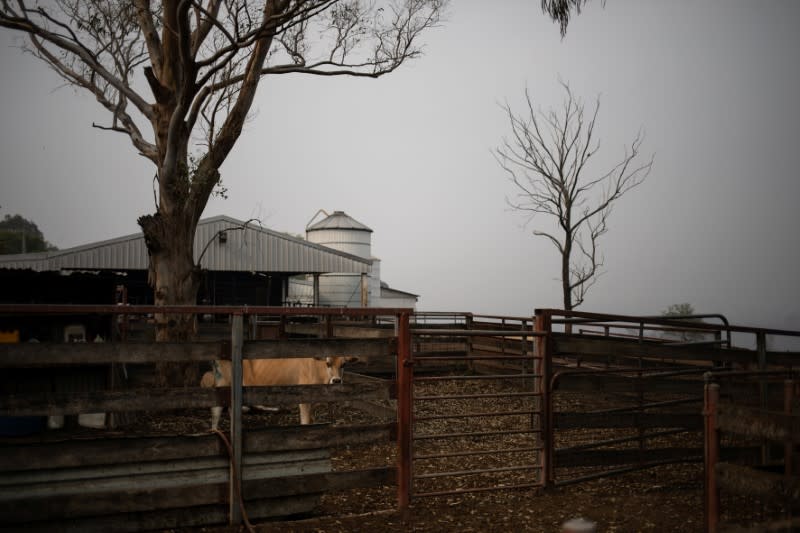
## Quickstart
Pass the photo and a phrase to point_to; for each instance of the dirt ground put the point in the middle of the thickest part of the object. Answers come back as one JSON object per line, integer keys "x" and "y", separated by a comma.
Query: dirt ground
{"x": 664, "y": 499}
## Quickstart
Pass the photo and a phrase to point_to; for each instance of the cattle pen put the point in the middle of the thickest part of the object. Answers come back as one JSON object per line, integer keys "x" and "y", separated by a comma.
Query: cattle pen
{"x": 460, "y": 404}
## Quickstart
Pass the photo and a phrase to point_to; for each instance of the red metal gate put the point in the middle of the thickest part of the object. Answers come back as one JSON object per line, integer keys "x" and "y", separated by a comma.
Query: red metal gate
{"x": 474, "y": 401}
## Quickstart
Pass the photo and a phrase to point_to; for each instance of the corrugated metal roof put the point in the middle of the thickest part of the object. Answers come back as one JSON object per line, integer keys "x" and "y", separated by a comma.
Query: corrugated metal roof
{"x": 339, "y": 220}
{"x": 252, "y": 249}
{"x": 388, "y": 292}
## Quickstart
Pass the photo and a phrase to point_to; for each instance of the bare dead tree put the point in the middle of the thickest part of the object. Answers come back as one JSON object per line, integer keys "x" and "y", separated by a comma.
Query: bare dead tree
{"x": 178, "y": 78}
{"x": 546, "y": 159}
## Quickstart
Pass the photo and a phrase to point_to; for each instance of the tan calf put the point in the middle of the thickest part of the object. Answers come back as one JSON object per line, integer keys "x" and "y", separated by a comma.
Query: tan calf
{"x": 269, "y": 372}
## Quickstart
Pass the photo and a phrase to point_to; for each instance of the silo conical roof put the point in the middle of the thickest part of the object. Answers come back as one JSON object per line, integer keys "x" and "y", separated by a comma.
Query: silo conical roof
{"x": 338, "y": 220}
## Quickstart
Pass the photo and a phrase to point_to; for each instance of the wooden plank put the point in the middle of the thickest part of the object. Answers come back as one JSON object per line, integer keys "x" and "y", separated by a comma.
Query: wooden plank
{"x": 32, "y": 355}
{"x": 25, "y": 355}
{"x": 172, "y": 518}
{"x": 254, "y": 460}
{"x": 318, "y": 436}
{"x": 753, "y": 482}
{"x": 611, "y": 346}
{"x": 294, "y": 394}
{"x": 584, "y": 382}
{"x": 72, "y": 403}
{"x": 754, "y": 422}
{"x": 72, "y": 514}
{"x": 325, "y": 482}
{"x": 343, "y": 332}
{"x": 95, "y": 488}
{"x": 374, "y": 409}
{"x": 628, "y": 420}
{"x": 28, "y": 454}
{"x": 285, "y": 348}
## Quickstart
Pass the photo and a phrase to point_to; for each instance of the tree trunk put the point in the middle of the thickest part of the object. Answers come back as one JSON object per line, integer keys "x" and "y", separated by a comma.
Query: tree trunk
{"x": 565, "y": 278}
{"x": 174, "y": 278}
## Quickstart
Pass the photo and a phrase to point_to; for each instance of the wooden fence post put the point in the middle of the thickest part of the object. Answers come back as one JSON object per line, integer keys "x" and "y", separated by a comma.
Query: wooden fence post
{"x": 235, "y": 479}
{"x": 405, "y": 372}
{"x": 711, "y": 402}
{"x": 543, "y": 322}
{"x": 788, "y": 444}
{"x": 761, "y": 362}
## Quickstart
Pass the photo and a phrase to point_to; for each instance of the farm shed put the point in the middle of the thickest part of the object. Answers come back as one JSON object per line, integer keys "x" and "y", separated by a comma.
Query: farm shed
{"x": 243, "y": 264}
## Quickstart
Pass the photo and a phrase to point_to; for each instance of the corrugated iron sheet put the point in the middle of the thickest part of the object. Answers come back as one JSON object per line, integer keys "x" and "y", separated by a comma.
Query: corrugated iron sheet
{"x": 253, "y": 249}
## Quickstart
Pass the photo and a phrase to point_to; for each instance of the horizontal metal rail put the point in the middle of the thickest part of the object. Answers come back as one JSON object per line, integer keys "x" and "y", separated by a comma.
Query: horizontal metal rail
{"x": 623, "y": 440}
{"x": 478, "y": 452}
{"x": 476, "y": 489}
{"x": 476, "y": 396}
{"x": 583, "y": 317}
{"x": 480, "y": 332}
{"x": 462, "y": 473}
{"x": 476, "y": 415}
{"x": 646, "y": 373}
{"x": 652, "y": 405}
{"x": 433, "y": 436}
{"x": 456, "y": 358}
{"x": 623, "y": 470}
{"x": 730, "y": 374}
{"x": 475, "y": 378}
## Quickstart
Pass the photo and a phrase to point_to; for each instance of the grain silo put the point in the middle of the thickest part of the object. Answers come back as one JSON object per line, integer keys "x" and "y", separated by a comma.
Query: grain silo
{"x": 342, "y": 232}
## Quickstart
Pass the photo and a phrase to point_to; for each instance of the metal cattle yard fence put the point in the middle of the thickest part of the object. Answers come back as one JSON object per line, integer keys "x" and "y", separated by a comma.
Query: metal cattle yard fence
{"x": 472, "y": 403}
{"x": 626, "y": 393}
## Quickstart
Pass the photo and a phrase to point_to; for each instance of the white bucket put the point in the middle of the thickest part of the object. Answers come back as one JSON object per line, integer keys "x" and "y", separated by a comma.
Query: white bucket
{"x": 579, "y": 525}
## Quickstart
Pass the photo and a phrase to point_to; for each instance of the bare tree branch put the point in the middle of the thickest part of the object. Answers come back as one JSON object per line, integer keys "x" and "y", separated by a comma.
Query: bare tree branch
{"x": 546, "y": 159}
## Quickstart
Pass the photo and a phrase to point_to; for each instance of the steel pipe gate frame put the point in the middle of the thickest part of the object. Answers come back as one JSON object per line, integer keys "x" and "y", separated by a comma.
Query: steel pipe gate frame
{"x": 407, "y": 399}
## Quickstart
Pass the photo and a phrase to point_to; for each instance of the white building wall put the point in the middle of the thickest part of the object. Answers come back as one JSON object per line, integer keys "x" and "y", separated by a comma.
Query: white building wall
{"x": 398, "y": 301}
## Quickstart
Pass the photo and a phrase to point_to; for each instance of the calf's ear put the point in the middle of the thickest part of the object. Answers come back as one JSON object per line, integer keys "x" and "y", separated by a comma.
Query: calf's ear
{"x": 350, "y": 359}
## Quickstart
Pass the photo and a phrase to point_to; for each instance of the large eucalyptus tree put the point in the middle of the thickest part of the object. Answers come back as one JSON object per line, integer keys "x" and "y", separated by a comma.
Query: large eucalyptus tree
{"x": 178, "y": 78}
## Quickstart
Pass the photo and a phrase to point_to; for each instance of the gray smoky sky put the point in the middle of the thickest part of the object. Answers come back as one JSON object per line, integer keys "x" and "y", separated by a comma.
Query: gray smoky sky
{"x": 714, "y": 85}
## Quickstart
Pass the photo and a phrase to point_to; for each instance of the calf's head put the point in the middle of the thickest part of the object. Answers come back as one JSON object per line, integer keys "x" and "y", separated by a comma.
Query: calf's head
{"x": 335, "y": 367}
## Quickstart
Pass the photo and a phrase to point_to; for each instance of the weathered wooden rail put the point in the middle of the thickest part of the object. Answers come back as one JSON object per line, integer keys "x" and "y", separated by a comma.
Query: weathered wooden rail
{"x": 129, "y": 483}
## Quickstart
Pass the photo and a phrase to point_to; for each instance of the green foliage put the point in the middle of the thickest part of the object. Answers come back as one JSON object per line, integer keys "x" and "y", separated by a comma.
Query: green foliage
{"x": 18, "y": 234}
{"x": 680, "y": 310}
{"x": 684, "y": 309}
